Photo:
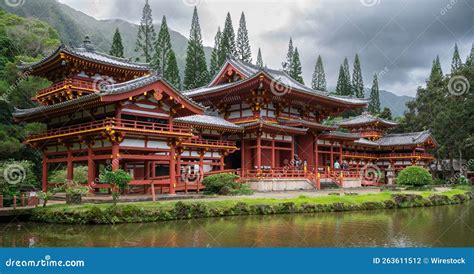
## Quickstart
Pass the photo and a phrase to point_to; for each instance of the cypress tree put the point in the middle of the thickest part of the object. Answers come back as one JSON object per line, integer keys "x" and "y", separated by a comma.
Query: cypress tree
{"x": 319, "y": 76}
{"x": 172, "y": 71}
{"x": 374, "y": 105}
{"x": 259, "y": 59}
{"x": 289, "y": 57}
{"x": 146, "y": 35}
{"x": 295, "y": 69}
{"x": 343, "y": 86}
{"x": 117, "y": 47}
{"x": 456, "y": 63}
{"x": 348, "y": 87}
{"x": 163, "y": 48}
{"x": 436, "y": 71}
{"x": 195, "y": 72}
{"x": 357, "y": 82}
{"x": 243, "y": 45}
{"x": 214, "y": 65}
{"x": 470, "y": 57}
{"x": 227, "y": 46}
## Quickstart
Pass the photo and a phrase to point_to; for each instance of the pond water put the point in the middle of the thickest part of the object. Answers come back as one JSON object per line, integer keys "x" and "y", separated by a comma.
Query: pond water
{"x": 442, "y": 226}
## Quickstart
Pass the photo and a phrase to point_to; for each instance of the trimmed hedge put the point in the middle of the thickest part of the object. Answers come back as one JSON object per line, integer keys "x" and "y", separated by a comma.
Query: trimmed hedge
{"x": 131, "y": 213}
{"x": 414, "y": 176}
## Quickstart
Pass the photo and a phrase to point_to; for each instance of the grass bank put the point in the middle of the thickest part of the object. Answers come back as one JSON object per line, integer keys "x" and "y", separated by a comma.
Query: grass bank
{"x": 164, "y": 211}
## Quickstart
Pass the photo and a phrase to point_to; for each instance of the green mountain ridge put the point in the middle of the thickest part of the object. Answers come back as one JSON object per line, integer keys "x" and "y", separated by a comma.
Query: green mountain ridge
{"x": 74, "y": 25}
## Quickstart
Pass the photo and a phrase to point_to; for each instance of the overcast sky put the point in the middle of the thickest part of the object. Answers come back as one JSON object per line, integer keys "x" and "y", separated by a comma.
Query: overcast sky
{"x": 396, "y": 39}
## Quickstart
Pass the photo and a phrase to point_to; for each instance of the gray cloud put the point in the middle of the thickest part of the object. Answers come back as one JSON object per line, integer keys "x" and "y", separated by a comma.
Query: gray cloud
{"x": 397, "y": 39}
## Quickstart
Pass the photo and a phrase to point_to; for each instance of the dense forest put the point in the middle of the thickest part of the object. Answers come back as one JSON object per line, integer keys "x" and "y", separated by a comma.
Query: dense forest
{"x": 445, "y": 105}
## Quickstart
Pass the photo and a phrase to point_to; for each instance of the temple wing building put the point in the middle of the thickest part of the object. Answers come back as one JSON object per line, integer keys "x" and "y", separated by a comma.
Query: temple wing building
{"x": 108, "y": 112}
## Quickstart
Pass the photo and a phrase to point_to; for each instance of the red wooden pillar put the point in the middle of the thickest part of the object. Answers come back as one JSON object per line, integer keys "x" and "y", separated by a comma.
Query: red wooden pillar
{"x": 178, "y": 164}
{"x": 70, "y": 165}
{"x": 292, "y": 160}
{"x": 273, "y": 153}
{"x": 340, "y": 153}
{"x": 115, "y": 156}
{"x": 316, "y": 154}
{"x": 172, "y": 169}
{"x": 332, "y": 156}
{"x": 221, "y": 164}
{"x": 242, "y": 156}
{"x": 45, "y": 173}
{"x": 90, "y": 167}
{"x": 259, "y": 152}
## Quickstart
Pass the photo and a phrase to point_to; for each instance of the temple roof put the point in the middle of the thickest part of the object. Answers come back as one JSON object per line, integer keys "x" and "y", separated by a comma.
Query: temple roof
{"x": 365, "y": 118}
{"x": 309, "y": 124}
{"x": 87, "y": 52}
{"x": 261, "y": 123}
{"x": 112, "y": 89}
{"x": 339, "y": 135}
{"x": 208, "y": 120}
{"x": 363, "y": 141}
{"x": 251, "y": 71}
{"x": 412, "y": 138}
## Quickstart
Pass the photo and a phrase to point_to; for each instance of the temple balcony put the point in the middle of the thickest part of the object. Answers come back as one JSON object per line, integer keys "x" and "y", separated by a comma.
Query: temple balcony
{"x": 112, "y": 128}
{"x": 65, "y": 90}
{"x": 371, "y": 156}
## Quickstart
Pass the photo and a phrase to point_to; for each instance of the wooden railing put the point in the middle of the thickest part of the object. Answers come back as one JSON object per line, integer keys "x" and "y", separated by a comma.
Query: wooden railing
{"x": 72, "y": 83}
{"x": 386, "y": 156}
{"x": 112, "y": 123}
{"x": 194, "y": 141}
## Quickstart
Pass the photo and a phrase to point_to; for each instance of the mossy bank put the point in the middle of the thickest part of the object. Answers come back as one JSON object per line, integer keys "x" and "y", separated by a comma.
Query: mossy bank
{"x": 164, "y": 211}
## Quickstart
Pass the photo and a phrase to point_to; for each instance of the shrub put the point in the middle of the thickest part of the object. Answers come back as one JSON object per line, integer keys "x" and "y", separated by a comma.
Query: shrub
{"x": 225, "y": 184}
{"x": 59, "y": 176}
{"x": 414, "y": 176}
{"x": 118, "y": 178}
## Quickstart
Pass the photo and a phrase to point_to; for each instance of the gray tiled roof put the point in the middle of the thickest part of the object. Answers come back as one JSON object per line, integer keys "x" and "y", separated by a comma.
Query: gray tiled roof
{"x": 364, "y": 119}
{"x": 90, "y": 54}
{"x": 342, "y": 134}
{"x": 111, "y": 89}
{"x": 412, "y": 138}
{"x": 264, "y": 122}
{"x": 363, "y": 141}
{"x": 250, "y": 71}
{"x": 304, "y": 123}
{"x": 207, "y": 120}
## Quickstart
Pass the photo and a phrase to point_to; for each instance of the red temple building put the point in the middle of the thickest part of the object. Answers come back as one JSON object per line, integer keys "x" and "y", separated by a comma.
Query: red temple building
{"x": 102, "y": 111}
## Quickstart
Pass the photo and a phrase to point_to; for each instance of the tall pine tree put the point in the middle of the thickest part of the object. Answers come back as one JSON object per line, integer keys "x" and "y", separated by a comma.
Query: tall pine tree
{"x": 319, "y": 76}
{"x": 357, "y": 82}
{"x": 456, "y": 62}
{"x": 214, "y": 65}
{"x": 436, "y": 71}
{"x": 295, "y": 69}
{"x": 289, "y": 57}
{"x": 163, "y": 49}
{"x": 195, "y": 72}
{"x": 374, "y": 104}
{"x": 259, "y": 59}
{"x": 470, "y": 58}
{"x": 343, "y": 86}
{"x": 172, "y": 71}
{"x": 146, "y": 35}
{"x": 243, "y": 44}
{"x": 227, "y": 45}
{"x": 117, "y": 47}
